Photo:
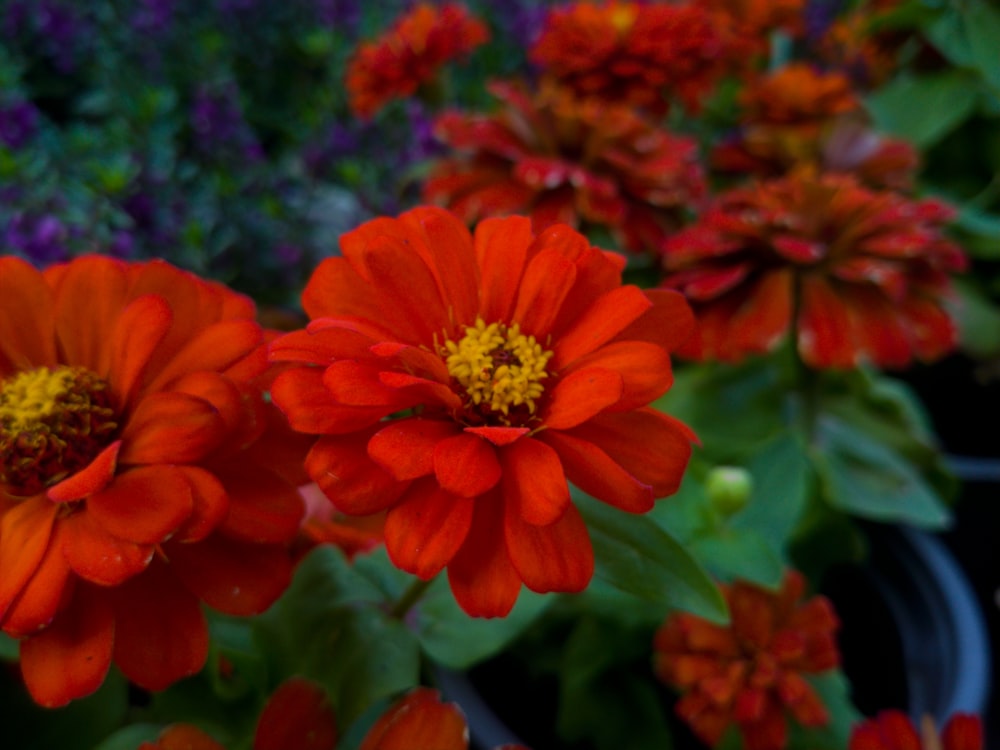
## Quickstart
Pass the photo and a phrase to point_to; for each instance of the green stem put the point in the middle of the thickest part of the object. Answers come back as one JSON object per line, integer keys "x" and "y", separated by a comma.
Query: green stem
{"x": 410, "y": 597}
{"x": 806, "y": 378}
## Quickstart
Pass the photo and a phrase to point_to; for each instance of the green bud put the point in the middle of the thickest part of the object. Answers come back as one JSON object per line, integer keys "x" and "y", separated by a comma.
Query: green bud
{"x": 728, "y": 489}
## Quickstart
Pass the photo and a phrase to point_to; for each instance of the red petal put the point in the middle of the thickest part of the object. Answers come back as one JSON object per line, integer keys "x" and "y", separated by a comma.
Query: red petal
{"x": 70, "y": 659}
{"x": 607, "y": 316}
{"x": 824, "y": 328}
{"x": 233, "y": 406}
{"x": 354, "y": 483}
{"x": 425, "y": 529}
{"x": 171, "y": 428}
{"x": 160, "y": 632}
{"x": 144, "y": 505}
{"x": 210, "y": 504}
{"x": 262, "y": 507}
{"x": 138, "y": 331}
{"x": 499, "y": 436}
{"x": 25, "y": 530}
{"x": 547, "y": 279}
{"x": 297, "y": 715}
{"x": 182, "y": 737}
{"x": 99, "y": 557}
{"x": 213, "y": 348}
{"x": 501, "y": 247}
{"x": 644, "y": 368}
{"x": 27, "y": 324}
{"x": 557, "y": 557}
{"x": 419, "y": 721}
{"x": 48, "y": 589}
{"x": 320, "y": 345}
{"x": 534, "y": 484}
{"x": 669, "y": 323}
{"x": 581, "y": 395}
{"x": 96, "y": 476}
{"x": 309, "y": 407}
{"x": 466, "y": 465}
{"x": 482, "y": 578}
{"x": 963, "y": 732}
{"x": 405, "y": 447}
{"x": 232, "y": 576}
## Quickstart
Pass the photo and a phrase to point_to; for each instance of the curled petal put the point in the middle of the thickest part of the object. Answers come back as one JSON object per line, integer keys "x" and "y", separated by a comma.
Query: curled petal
{"x": 145, "y": 505}
{"x": 425, "y": 529}
{"x": 168, "y": 428}
{"x": 355, "y": 484}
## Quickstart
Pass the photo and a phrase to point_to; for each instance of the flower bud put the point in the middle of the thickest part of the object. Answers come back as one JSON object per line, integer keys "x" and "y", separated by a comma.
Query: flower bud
{"x": 728, "y": 489}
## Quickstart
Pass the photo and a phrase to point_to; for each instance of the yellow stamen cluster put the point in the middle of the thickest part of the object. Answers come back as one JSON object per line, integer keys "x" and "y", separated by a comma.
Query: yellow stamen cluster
{"x": 53, "y": 422}
{"x": 498, "y": 367}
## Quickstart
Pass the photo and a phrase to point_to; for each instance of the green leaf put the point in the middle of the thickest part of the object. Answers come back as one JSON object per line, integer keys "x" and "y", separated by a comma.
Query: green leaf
{"x": 979, "y": 322}
{"x": 925, "y": 109}
{"x": 834, "y": 692}
{"x": 867, "y": 478}
{"x": 9, "y": 648}
{"x": 636, "y": 555}
{"x": 455, "y": 640}
{"x": 982, "y": 29}
{"x": 740, "y": 553}
{"x": 130, "y": 737}
{"x": 332, "y": 625}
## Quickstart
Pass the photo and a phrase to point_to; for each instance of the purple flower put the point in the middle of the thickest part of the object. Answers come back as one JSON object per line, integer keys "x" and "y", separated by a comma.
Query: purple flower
{"x": 42, "y": 240}
{"x": 18, "y": 123}
{"x": 218, "y": 123}
{"x": 819, "y": 15}
{"x": 153, "y": 17}
{"x": 336, "y": 143}
{"x": 422, "y": 144}
{"x": 343, "y": 15}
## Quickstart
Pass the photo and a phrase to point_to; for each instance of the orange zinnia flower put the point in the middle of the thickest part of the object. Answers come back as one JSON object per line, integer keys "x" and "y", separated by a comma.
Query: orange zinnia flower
{"x": 562, "y": 159}
{"x": 457, "y": 381}
{"x": 642, "y": 54}
{"x": 410, "y": 54}
{"x": 855, "y": 274}
{"x": 750, "y": 671}
{"x": 893, "y": 730}
{"x": 133, "y": 484}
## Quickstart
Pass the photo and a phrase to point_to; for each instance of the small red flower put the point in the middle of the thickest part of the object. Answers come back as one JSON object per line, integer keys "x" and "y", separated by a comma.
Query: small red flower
{"x": 893, "y": 730}
{"x": 562, "y": 159}
{"x": 139, "y": 478}
{"x": 457, "y": 381}
{"x": 410, "y": 54}
{"x": 644, "y": 54}
{"x": 750, "y": 672}
{"x": 855, "y": 274}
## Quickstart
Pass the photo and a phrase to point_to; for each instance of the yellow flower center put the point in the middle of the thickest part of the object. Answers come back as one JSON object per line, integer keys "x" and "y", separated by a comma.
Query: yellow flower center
{"x": 52, "y": 423}
{"x": 623, "y": 18}
{"x": 500, "y": 369}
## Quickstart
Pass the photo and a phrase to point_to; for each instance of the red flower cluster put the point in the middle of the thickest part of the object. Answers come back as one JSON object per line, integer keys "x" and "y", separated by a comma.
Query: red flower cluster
{"x": 138, "y": 478}
{"x": 853, "y": 274}
{"x": 410, "y": 54}
{"x": 644, "y": 54}
{"x": 458, "y": 380}
{"x": 893, "y": 730}
{"x": 562, "y": 159}
{"x": 750, "y": 672}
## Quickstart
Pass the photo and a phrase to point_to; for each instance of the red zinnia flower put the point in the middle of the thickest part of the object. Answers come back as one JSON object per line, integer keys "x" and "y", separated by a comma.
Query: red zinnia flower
{"x": 410, "y": 54}
{"x": 855, "y": 273}
{"x": 750, "y": 672}
{"x": 562, "y": 159}
{"x": 642, "y": 54}
{"x": 134, "y": 479}
{"x": 893, "y": 730}
{"x": 457, "y": 381}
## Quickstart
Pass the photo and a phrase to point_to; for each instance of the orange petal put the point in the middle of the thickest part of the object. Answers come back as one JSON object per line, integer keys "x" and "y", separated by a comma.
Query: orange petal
{"x": 210, "y": 504}
{"x": 534, "y": 484}
{"x": 145, "y": 505}
{"x": 70, "y": 658}
{"x": 140, "y": 328}
{"x": 644, "y": 369}
{"x": 547, "y": 279}
{"x": 824, "y": 327}
{"x": 581, "y": 395}
{"x": 405, "y": 447}
{"x": 89, "y": 480}
{"x": 499, "y": 435}
{"x": 27, "y": 323}
{"x": 171, "y": 428}
{"x": 419, "y": 721}
{"x": 354, "y": 483}
{"x": 606, "y": 317}
{"x": 424, "y": 530}
{"x": 232, "y": 576}
{"x": 297, "y": 715}
{"x": 466, "y": 465}
{"x": 25, "y": 530}
{"x": 183, "y": 737}
{"x": 501, "y": 246}
{"x": 233, "y": 406}
{"x": 668, "y": 323}
{"x": 557, "y": 557}
{"x": 160, "y": 632}
{"x": 309, "y": 407}
{"x": 99, "y": 557}
{"x": 48, "y": 589}
{"x": 262, "y": 507}
{"x": 213, "y": 348}
{"x": 482, "y": 578}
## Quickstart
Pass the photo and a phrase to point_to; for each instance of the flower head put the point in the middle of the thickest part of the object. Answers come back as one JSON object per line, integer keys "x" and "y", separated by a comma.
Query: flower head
{"x": 645, "y": 54}
{"x": 410, "y": 54}
{"x": 563, "y": 159}
{"x": 457, "y": 381}
{"x": 893, "y": 730}
{"x": 853, "y": 274}
{"x": 750, "y": 672}
{"x": 137, "y": 480}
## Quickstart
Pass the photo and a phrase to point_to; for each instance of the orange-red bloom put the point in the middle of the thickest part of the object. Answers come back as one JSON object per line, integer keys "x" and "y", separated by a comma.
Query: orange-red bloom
{"x": 800, "y": 116}
{"x": 853, "y": 274}
{"x": 135, "y": 483}
{"x": 750, "y": 672}
{"x": 458, "y": 380}
{"x": 893, "y": 730}
{"x": 562, "y": 159}
{"x": 410, "y": 54}
{"x": 645, "y": 54}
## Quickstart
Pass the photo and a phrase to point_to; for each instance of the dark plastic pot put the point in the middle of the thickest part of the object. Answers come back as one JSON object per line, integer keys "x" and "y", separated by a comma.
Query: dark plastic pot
{"x": 921, "y": 628}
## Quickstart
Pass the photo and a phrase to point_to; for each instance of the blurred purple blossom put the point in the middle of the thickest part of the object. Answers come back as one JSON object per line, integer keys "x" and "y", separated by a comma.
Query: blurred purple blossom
{"x": 337, "y": 142}
{"x": 219, "y": 125}
{"x": 153, "y": 17}
{"x": 341, "y": 15}
{"x": 41, "y": 239}
{"x": 819, "y": 15}
{"x": 18, "y": 123}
